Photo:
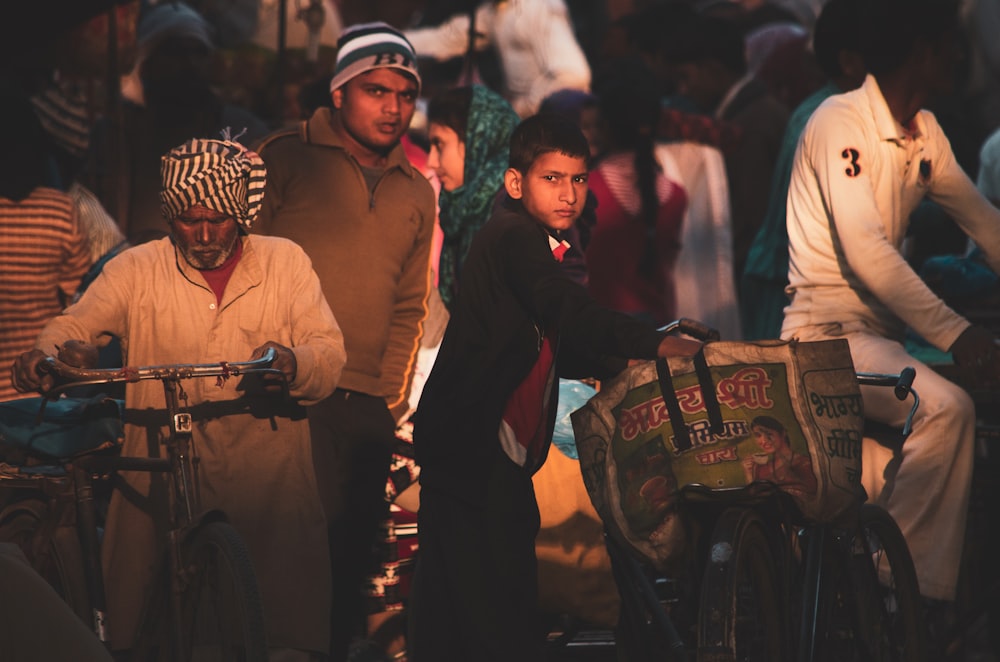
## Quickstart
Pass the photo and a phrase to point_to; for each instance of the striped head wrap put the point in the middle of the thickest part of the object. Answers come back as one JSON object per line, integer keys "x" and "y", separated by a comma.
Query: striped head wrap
{"x": 368, "y": 46}
{"x": 222, "y": 175}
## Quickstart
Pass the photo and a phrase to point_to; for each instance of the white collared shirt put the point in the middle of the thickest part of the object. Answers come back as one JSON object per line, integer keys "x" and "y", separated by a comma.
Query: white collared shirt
{"x": 857, "y": 176}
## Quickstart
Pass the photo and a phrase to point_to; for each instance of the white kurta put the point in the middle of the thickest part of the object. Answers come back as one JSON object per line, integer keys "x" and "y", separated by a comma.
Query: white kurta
{"x": 254, "y": 455}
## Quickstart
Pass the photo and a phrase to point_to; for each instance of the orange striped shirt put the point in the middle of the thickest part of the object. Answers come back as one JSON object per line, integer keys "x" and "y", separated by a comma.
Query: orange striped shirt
{"x": 43, "y": 257}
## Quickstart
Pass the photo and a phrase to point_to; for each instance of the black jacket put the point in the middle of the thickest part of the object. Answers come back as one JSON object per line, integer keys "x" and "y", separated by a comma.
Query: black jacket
{"x": 511, "y": 289}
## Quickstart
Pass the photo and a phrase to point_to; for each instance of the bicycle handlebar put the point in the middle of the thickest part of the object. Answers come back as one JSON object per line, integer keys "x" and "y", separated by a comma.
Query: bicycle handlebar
{"x": 692, "y": 328}
{"x": 902, "y": 385}
{"x": 69, "y": 376}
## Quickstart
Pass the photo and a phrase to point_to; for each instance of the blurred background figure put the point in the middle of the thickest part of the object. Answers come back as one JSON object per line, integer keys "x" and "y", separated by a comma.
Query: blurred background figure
{"x": 167, "y": 98}
{"x": 43, "y": 251}
{"x": 837, "y": 50}
{"x": 708, "y": 57}
{"x": 583, "y": 109}
{"x": 634, "y": 244}
{"x": 534, "y": 40}
{"x": 62, "y": 111}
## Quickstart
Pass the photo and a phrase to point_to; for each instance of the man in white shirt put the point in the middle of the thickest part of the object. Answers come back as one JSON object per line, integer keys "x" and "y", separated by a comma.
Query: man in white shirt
{"x": 534, "y": 39}
{"x": 865, "y": 161}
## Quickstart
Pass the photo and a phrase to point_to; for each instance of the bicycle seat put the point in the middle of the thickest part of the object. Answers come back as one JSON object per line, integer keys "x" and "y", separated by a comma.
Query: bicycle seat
{"x": 68, "y": 427}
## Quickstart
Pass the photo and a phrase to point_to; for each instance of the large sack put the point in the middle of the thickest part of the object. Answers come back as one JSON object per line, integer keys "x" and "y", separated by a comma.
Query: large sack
{"x": 785, "y": 412}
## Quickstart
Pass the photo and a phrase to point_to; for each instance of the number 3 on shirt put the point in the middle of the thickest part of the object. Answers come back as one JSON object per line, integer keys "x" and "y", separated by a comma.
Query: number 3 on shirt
{"x": 851, "y": 154}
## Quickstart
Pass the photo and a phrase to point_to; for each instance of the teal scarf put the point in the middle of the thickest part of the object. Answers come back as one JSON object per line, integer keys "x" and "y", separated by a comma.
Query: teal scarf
{"x": 465, "y": 210}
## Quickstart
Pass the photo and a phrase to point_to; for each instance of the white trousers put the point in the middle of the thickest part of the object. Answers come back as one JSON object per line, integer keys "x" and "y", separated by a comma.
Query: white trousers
{"x": 927, "y": 489}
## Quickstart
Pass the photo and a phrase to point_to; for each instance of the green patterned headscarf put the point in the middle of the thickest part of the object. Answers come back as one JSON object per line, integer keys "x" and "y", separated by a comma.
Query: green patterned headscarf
{"x": 463, "y": 211}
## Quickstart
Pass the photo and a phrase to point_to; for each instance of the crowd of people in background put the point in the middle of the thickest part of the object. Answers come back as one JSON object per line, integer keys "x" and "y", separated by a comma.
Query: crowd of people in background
{"x": 770, "y": 168}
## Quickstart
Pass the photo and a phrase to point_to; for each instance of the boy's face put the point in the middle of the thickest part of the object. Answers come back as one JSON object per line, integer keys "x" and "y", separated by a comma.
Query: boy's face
{"x": 553, "y": 190}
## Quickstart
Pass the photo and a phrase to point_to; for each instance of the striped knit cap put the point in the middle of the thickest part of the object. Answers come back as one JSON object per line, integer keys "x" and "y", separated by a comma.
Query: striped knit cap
{"x": 368, "y": 46}
{"x": 62, "y": 110}
{"x": 222, "y": 175}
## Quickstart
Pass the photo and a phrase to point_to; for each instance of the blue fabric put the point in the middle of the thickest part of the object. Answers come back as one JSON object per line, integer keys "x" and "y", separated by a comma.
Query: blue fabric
{"x": 69, "y": 426}
{"x": 956, "y": 277}
{"x": 572, "y": 396}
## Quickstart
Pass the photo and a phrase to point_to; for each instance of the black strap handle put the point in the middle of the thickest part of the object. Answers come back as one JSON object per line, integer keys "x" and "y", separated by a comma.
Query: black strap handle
{"x": 682, "y": 435}
{"x": 708, "y": 392}
{"x": 682, "y": 431}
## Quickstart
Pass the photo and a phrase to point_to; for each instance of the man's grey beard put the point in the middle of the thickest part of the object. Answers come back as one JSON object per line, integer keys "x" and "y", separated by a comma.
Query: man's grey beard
{"x": 195, "y": 261}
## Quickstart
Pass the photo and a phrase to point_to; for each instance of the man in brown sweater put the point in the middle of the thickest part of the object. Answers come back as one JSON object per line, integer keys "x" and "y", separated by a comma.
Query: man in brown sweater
{"x": 340, "y": 185}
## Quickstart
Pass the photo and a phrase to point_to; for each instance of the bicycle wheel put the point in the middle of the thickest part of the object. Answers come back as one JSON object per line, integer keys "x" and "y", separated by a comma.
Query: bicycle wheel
{"x": 888, "y": 604}
{"x": 741, "y": 613}
{"x": 221, "y": 614}
{"x": 54, "y": 552}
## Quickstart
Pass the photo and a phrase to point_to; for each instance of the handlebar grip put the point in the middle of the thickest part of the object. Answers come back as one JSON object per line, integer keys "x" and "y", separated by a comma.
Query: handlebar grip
{"x": 268, "y": 357}
{"x": 905, "y": 383}
{"x": 697, "y": 329}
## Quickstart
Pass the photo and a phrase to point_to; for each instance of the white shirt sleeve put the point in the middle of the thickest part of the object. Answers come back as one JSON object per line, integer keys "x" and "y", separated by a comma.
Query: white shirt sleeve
{"x": 559, "y": 57}
{"x": 451, "y": 38}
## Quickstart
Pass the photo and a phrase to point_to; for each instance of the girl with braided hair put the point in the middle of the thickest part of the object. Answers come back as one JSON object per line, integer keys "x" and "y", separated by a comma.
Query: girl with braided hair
{"x": 633, "y": 246}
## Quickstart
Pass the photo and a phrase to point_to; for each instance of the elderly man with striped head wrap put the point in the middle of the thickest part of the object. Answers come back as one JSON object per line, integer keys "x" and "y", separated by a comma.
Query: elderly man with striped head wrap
{"x": 211, "y": 190}
{"x": 212, "y": 292}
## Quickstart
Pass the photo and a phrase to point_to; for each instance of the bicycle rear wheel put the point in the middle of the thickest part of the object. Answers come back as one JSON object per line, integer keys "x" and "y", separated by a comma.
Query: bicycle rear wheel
{"x": 741, "y": 611}
{"x": 889, "y": 607}
{"x": 221, "y": 614}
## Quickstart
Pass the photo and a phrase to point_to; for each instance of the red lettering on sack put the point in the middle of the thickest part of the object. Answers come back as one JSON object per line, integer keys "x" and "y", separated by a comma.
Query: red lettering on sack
{"x": 690, "y": 400}
{"x": 748, "y": 388}
{"x": 643, "y": 417}
{"x": 718, "y": 455}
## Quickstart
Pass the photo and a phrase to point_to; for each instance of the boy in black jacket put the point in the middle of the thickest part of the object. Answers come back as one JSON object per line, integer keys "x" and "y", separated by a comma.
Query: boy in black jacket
{"x": 486, "y": 415}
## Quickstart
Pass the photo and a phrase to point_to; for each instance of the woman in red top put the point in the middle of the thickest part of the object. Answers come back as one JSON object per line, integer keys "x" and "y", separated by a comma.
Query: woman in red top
{"x": 633, "y": 246}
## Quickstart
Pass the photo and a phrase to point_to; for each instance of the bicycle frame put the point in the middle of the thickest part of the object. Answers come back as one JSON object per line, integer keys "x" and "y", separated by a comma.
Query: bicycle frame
{"x": 185, "y": 511}
{"x": 179, "y": 461}
{"x": 819, "y": 536}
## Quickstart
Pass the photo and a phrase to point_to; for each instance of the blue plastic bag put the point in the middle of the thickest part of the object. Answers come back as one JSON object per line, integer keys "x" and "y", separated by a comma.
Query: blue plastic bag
{"x": 572, "y": 395}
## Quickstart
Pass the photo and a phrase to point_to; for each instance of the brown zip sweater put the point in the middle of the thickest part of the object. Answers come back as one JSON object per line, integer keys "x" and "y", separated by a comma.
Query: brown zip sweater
{"x": 370, "y": 249}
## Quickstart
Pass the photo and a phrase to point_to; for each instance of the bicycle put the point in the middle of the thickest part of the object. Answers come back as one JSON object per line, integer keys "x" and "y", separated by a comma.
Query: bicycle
{"x": 765, "y": 583}
{"x": 205, "y": 600}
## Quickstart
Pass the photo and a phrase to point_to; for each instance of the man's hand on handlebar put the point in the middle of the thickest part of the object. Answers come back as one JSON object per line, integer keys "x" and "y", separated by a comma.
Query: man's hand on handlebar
{"x": 25, "y": 376}
{"x": 976, "y": 349}
{"x": 283, "y": 361}
{"x": 674, "y": 346}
